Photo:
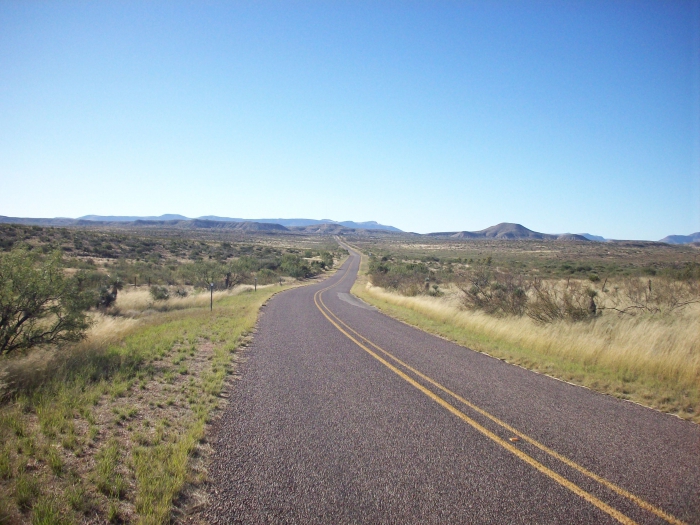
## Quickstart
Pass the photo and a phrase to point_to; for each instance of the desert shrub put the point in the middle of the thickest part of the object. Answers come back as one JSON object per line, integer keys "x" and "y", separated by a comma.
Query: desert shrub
{"x": 554, "y": 302}
{"x": 407, "y": 278}
{"x": 635, "y": 296}
{"x": 689, "y": 271}
{"x": 317, "y": 267}
{"x": 159, "y": 293}
{"x": 327, "y": 259}
{"x": 248, "y": 264}
{"x": 140, "y": 272}
{"x": 295, "y": 266}
{"x": 436, "y": 292}
{"x": 267, "y": 276}
{"x": 496, "y": 293}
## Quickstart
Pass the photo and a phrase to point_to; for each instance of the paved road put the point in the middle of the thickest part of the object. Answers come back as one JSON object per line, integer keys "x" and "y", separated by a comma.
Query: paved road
{"x": 344, "y": 415}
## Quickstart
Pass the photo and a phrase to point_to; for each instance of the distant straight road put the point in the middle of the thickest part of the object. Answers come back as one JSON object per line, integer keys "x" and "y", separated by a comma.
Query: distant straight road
{"x": 344, "y": 415}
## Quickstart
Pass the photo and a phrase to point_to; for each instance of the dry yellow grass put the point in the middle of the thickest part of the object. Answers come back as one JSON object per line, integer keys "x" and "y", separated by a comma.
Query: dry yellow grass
{"x": 653, "y": 360}
{"x": 107, "y": 329}
{"x": 138, "y": 300}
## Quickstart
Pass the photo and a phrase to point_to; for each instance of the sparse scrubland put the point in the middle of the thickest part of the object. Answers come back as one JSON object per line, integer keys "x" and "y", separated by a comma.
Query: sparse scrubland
{"x": 620, "y": 318}
{"x": 112, "y": 428}
{"x": 105, "y": 422}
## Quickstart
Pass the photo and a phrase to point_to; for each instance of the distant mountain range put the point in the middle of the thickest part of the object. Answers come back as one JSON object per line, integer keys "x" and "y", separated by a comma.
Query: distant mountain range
{"x": 682, "y": 239}
{"x": 325, "y": 226}
{"x": 508, "y": 230}
{"x": 369, "y": 225}
{"x": 504, "y": 230}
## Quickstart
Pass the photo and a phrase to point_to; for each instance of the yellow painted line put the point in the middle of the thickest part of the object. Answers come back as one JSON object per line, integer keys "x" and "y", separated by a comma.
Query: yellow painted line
{"x": 610, "y": 485}
{"x": 506, "y": 445}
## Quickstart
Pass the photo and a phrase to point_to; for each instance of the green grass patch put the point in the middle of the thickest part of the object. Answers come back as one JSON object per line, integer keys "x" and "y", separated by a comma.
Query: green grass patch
{"x": 47, "y": 511}
{"x": 27, "y": 490}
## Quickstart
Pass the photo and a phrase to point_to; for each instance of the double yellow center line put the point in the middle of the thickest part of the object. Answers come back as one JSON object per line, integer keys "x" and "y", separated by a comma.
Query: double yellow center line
{"x": 375, "y": 352}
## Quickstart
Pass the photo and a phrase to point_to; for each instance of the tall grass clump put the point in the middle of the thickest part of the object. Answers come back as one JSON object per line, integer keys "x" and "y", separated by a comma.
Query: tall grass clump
{"x": 107, "y": 478}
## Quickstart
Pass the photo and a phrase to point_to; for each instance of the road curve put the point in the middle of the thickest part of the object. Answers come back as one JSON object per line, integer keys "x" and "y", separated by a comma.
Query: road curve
{"x": 344, "y": 415}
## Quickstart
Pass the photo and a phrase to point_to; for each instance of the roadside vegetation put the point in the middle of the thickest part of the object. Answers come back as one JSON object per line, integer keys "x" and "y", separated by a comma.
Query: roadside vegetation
{"x": 107, "y": 424}
{"x": 165, "y": 258}
{"x": 628, "y": 325}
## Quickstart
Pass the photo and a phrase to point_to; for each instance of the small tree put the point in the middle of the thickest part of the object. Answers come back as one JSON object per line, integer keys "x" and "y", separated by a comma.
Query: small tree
{"x": 236, "y": 273}
{"x": 39, "y": 305}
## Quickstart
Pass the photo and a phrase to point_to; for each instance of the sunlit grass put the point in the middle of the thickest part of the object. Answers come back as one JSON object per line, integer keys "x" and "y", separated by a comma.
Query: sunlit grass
{"x": 136, "y": 301}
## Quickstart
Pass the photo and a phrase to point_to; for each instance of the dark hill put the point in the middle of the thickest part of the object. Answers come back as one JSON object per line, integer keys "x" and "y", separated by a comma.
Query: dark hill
{"x": 509, "y": 230}
{"x": 682, "y": 239}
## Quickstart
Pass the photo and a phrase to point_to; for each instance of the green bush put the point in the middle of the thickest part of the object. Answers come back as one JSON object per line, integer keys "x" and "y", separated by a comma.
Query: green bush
{"x": 294, "y": 266}
{"x": 159, "y": 293}
{"x": 267, "y": 276}
{"x": 408, "y": 278}
{"x": 39, "y": 304}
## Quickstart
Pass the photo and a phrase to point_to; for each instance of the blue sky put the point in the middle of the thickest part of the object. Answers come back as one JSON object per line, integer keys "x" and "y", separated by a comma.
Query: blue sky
{"x": 430, "y": 116}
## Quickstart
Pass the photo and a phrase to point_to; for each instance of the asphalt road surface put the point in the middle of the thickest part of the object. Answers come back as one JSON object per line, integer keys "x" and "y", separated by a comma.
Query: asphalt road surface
{"x": 344, "y": 415}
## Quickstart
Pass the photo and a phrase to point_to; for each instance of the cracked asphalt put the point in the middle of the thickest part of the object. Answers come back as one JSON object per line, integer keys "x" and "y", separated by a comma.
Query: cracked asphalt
{"x": 319, "y": 429}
